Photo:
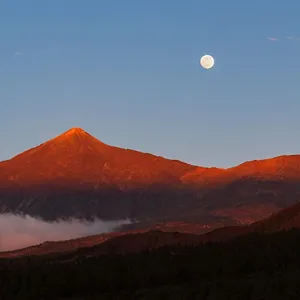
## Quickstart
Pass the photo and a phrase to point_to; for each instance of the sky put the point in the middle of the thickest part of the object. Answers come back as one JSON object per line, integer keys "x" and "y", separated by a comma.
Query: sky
{"x": 128, "y": 73}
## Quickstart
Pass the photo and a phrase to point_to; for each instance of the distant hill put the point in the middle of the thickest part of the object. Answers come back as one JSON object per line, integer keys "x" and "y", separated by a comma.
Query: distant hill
{"x": 165, "y": 234}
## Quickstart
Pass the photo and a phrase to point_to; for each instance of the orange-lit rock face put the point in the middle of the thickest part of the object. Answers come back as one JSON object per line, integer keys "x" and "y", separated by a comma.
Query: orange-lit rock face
{"x": 74, "y": 174}
{"x": 278, "y": 168}
{"x": 76, "y": 155}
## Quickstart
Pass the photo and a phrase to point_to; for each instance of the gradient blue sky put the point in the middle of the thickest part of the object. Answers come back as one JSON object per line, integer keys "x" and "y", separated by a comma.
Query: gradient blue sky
{"x": 128, "y": 73}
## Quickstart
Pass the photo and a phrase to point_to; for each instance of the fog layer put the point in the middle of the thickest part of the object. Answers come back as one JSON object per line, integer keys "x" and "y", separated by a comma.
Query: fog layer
{"x": 22, "y": 231}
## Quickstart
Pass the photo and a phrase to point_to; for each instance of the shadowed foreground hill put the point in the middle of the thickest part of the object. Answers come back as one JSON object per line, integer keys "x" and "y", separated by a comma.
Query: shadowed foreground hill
{"x": 75, "y": 175}
{"x": 255, "y": 266}
{"x": 141, "y": 240}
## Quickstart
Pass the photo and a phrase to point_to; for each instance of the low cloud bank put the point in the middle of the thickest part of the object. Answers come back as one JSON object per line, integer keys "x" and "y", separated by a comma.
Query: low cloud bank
{"x": 17, "y": 232}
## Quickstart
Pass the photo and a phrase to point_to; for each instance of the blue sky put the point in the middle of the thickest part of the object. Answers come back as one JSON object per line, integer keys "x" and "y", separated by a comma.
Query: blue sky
{"x": 128, "y": 72}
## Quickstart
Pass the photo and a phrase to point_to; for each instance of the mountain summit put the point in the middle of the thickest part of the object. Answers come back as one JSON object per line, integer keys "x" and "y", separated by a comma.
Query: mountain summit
{"x": 75, "y": 131}
{"x": 78, "y": 135}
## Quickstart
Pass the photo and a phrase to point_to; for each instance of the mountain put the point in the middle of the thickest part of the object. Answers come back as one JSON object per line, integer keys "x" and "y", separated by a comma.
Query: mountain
{"x": 76, "y": 175}
{"x": 250, "y": 191}
{"x": 77, "y": 157}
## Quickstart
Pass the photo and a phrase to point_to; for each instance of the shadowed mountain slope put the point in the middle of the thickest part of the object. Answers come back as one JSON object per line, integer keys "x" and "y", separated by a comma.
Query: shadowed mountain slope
{"x": 140, "y": 240}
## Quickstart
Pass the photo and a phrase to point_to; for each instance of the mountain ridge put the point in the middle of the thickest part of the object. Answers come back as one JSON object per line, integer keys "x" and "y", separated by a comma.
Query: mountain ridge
{"x": 77, "y": 146}
{"x": 98, "y": 180}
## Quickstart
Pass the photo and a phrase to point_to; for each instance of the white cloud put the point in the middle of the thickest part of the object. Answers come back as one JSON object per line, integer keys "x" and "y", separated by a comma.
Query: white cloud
{"x": 273, "y": 39}
{"x": 294, "y": 38}
{"x": 22, "y": 231}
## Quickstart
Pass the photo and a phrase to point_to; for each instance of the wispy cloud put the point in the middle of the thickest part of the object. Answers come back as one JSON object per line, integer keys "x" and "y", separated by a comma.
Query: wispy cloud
{"x": 294, "y": 38}
{"x": 291, "y": 38}
{"x": 17, "y": 53}
{"x": 273, "y": 39}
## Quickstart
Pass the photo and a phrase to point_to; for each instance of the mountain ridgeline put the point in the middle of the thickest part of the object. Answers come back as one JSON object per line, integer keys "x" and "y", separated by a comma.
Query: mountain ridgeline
{"x": 75, "y": 175}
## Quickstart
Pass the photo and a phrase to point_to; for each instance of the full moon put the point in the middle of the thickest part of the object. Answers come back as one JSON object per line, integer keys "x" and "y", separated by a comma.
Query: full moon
{"x": 207, "y": 61}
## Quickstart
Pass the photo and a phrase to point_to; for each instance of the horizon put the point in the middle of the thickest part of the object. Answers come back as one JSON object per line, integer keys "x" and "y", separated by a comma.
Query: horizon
{"x": 129, "y": 74}
{"x": 76, "y": 130}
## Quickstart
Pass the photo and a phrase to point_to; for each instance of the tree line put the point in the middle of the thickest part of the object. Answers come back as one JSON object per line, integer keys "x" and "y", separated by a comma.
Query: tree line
{"x": 252, "y": 267}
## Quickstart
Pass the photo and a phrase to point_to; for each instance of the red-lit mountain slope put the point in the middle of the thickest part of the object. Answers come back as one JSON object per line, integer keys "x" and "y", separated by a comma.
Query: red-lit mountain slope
{"x": 76, "y": 175}
{"x": 250, "y": 191}
{"x": 76, "y": 156}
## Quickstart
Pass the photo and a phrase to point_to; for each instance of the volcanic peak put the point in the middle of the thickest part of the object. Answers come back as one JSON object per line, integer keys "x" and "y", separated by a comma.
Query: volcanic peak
{"x": 75, "y": 131}
{"x": 76, "y": 134}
